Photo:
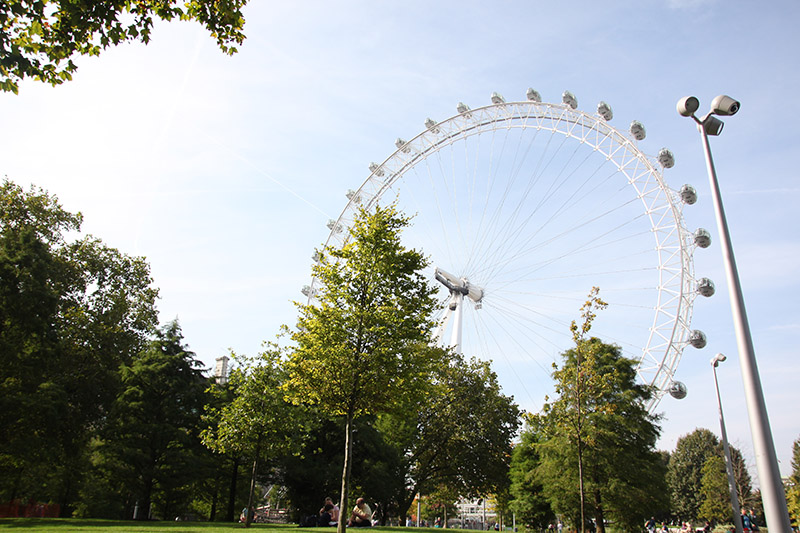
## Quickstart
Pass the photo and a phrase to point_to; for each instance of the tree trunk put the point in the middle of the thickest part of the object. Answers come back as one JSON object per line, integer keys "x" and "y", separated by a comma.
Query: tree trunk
{"x": 65, "y": 498}
{"x": 214, "y": 499}
{"x": 249, "y": 512}
{"x": 229, "y": 515}
{"x": 599, "y": 515}
{"x": 144, "y": 507}
{"x": 344, "y": 509}
{"x": 405, "y": 501}
{"x": 582, "y": 529}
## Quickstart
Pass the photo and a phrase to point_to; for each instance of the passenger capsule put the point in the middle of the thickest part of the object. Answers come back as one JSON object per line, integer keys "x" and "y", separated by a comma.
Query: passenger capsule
{"x": 432, "y": 125}
{"x": 705, "y": 287}
{"x": 497, "y": 98}
{"x": 637, "y": 130}
{"x": 604, "y": 110}
{"x": 697, "y": 339}
{"x": 677, "y": 390}
{"x": 702, "y": 238}
{"x": 402, "y": 145}
{"x": 376, "y": 169}
{"x": 665, "y": 158}
{"x": 308, "y": 292}
{"x": 533, "y": 95}
{"x": 353, "y": 196}
{"x": 569, "y": 99}
{"x": 463, "y": 109}
{"x": 688, "y": 194}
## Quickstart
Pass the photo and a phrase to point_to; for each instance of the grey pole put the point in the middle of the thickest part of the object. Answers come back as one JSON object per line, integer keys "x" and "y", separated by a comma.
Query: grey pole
{"x": 737, "y": 518}
{"x": 773, "y": 497}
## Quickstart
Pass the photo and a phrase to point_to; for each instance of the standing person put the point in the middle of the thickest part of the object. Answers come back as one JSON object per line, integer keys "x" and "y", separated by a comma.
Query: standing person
{"x": 361, "y": 515}
{"x": 746, "y": 525}
{"x": 650, "y": 525}
{"x": 753, "y": 522}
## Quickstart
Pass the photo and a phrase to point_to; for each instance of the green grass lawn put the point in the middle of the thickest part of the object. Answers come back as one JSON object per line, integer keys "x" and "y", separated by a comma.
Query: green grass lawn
{"x": 70, "y": 525}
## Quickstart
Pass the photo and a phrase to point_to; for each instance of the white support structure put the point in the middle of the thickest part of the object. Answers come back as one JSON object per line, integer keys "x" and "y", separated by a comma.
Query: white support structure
{"x": 458, "y": 287}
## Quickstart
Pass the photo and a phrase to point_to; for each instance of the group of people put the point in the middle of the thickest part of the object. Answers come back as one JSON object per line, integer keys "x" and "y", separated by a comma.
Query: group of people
{"x": 361, "y": 516}
{"x": 749, "y": 524}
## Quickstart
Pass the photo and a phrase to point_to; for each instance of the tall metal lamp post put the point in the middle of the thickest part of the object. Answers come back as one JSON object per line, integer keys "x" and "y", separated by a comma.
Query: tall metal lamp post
{"x": 772, "y": 493}
{"x": 737, "y": 519}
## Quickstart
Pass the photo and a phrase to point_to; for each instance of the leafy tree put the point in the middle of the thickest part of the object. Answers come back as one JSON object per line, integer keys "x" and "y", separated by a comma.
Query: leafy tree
{"x": 258, "y": 423}
{"x": 30, "y": 290}
{"x": 460, "y": 437}
{"x": 685, "y": 471}
{"x": 312, "y": 472}
{"x": 598, "y": 429}
{"x": 715, "y": 495}
{"x": 40, "y": 38}
{"x": 216, "y": 495}
{"x": 364, "y": 348}
{"x": 439, "y": 505}
{"x": 152, "y": 443}
{"x": 793, "y": 488}
{"x": 528, "y": 500}
{"x": 71, "y": 312}
{"x": 741, "y": 477}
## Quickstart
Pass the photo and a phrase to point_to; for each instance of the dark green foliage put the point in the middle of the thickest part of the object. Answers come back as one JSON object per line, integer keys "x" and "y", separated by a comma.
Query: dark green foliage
{"x": 258, "y": 424}
{"x": 528, "y": 500}
{"x": 70, "y": 314}
{"x": 793, "y": 484}
{"x": 715, "y": 503}
{"x": 460, "y": 437}
{"x": 438, "y": 505}
{"x": 315, "y": 472}
{"x": 623, "y": 474}
{"x": 151, "y": 447}
{"x": 40, "y": 38}
{"x": 364, "y": 349}
{"x": 741, "y": 476}
{"x": 685, "y": 473}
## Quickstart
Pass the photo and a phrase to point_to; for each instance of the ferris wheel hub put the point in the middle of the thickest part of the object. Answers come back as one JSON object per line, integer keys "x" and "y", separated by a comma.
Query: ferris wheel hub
{"x": 459, "y": 285}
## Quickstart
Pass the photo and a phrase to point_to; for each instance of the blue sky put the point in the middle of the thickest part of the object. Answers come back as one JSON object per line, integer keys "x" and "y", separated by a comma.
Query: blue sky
{"x": 222, "y": 171}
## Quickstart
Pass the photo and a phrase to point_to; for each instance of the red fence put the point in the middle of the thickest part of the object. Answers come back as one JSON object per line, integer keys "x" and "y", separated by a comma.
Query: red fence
{"x": 29, "y": 510}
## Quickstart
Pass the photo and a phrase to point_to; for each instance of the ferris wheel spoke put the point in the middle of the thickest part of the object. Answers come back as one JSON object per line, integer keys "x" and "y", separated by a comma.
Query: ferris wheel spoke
{"x": 532, "y": 204}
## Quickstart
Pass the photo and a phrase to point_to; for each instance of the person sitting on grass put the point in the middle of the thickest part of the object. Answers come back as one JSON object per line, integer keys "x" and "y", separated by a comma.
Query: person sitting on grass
{"x": 324, "y": 519}
{"x": 334, "y": 511}
{"x": 361, "y": 515}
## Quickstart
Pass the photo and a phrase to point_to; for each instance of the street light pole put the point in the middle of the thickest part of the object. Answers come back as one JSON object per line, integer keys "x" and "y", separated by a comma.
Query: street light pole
{"x": 772, "y": 493}
{"x": 737, "y": 518}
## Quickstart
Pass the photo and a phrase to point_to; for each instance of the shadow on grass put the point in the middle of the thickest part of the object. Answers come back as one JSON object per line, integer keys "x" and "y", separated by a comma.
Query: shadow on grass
{"x": 70, "y": 525}
{"x": 73, "y": 525}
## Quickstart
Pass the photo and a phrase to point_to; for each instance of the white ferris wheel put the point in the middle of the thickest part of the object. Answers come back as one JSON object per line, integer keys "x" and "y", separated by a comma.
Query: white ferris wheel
{"x": 523, "y": 207}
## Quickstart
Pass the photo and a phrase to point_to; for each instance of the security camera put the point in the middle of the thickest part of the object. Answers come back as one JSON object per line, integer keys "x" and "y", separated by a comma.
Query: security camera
{"x": 688, "y": 105}
{"x": 724, "y": 105}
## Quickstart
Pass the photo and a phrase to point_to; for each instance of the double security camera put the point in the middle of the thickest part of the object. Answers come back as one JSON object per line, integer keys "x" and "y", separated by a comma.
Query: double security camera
{"x": 721, "y": 105}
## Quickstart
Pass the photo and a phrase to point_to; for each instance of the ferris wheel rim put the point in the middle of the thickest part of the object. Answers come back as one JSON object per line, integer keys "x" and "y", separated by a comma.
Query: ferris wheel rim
{"x": 593, "y": 129}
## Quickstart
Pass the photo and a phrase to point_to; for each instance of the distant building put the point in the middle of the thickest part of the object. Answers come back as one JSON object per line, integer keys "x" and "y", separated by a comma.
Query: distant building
{"x": 221, "y": 370}
{"x": 476, "y": 514}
